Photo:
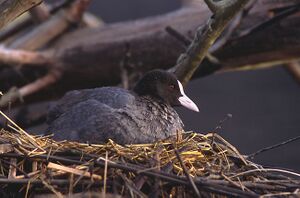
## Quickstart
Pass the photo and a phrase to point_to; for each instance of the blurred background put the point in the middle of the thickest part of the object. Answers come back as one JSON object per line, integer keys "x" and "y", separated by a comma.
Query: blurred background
{"x": 264, "y": 103}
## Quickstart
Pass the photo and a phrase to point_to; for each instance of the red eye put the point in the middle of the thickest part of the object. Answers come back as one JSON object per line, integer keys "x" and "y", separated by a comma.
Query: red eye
{"x": 172, "y": 86}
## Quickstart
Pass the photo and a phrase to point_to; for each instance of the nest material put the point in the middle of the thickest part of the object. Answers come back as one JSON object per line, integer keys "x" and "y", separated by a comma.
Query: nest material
{"x": 194, "y": 165}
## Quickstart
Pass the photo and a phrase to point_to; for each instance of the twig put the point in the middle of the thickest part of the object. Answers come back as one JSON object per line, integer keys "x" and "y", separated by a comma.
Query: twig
{"x": 205, "y": 185}
{"x": 10, "y": 96}
{"x": 240, "y": 185}
{"x": 10, "y": 31}
{"x": 294, "y": 69}
{"x": 223, "y": 12}
{"x": 282, "y": 194}
{"x": 21, "y": 131}
{"x": 131, "y": 186}
{"x": 219, "y": 126}
{"x": 22, "y": 57}
{"x": 186, "y": 42}
{"x": 124, "y": 67}
{"x": 180, "y": 37}
{"x": 266, "y": 170}
{"x": 227, "y": 33}
{"x": 105, "y": 175}
{"x": 91, "y": 20}
{"x": 72, "y": 170}
{"x": 278, "y": 10}
{"x": 51, "y": 188}
{"x": 232, "y": 27}
{"x": 77, "y": 10}
{"x": 52, "y": 28}
{"x": 48, "y": 79}
{"x": 157, "y": 164}
{"x": 15, "y": 94}
{"x": 71, "y": 179}
{"x": 271, "y": 21}
{"x": 188, "y": 176}
{"x": 251, "y": 156}
{"x": 13, "y": 168}
{"x": 52, "y": 181}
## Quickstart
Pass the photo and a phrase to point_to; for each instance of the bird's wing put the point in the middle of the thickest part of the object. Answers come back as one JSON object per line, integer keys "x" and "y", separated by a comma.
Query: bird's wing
{"x": 113, "y": 97}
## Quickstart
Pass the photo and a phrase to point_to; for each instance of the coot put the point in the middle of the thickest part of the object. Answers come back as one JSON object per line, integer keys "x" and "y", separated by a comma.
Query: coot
{"x": 142, "y": 115}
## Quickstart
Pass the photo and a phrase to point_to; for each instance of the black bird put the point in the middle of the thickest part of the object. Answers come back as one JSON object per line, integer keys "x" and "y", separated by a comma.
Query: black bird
{"x": 140, "y": 116}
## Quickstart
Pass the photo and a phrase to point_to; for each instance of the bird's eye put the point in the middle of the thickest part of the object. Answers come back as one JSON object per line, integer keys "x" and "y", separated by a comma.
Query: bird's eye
{"x": 172, "y": 86}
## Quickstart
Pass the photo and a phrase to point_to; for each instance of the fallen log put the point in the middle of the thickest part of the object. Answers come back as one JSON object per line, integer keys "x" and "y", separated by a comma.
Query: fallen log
{"x": 267, "y": 35}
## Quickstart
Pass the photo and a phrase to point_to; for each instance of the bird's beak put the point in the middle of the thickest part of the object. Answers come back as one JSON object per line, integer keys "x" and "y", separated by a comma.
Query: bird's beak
{"x": 186, "y": 101}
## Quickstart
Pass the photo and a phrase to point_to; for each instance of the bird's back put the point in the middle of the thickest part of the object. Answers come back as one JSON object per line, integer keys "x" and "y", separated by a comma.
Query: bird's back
{"x": 111, "y": 96}
{"x": 96, "y": 115}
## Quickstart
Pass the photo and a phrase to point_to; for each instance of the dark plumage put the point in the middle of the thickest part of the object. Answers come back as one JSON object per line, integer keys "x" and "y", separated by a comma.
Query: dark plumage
{"x": 139, "y": 116}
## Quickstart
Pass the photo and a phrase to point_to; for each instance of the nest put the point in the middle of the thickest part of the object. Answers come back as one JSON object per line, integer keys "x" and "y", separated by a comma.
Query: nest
{"x": 194, "y": 165}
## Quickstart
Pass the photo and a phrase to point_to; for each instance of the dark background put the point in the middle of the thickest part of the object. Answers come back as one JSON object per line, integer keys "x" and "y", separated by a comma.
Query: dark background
{"x": 264, "y": 103}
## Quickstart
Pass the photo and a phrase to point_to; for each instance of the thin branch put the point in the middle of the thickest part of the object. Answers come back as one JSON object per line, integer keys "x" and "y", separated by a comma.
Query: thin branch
{"x": 219, "y": 126}
{"x": 224, "y": 38}
{"x": 227, "y": 33}
{"x": 52, "y": 181}
{"x": 188, "y": 176}
{"x": 180, "y": 37}
{"x": 186, "y": 42}
{"x": 41, "y": 83}
{"x": 22, "y": 57}
{"x": 232, "y": 27}
{"x": 280, "y": 16}
{"x": 52, "y": 28}
{"x": 251, "y": 156}
{"x": 105, "y": 175}
{"x": 205, "y": 36}
{"x": 28, "y": 21}
{"x": 206, "y": 185}
{"x": 264, "y": 170}
{"x": 92, "y": 21}
{"x": 294, "y": 69}
{"x": 13, "y": 168}
{"x": 131, "y": 186}
{"x": 14, "y": 94}
{"x": 124, "y": 66}
{"x": 10, "y": 96}
{"x": 77, "y": 10}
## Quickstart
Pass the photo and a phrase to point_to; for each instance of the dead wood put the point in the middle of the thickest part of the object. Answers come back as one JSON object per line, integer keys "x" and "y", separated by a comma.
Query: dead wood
{"x": 294, "y": 69}
{"x": 10, "y": 9}
{"x": 212, "y": 170}
{"x": 36, "y": 39}
{"x": 205, "y": 36}
{"x": 52, "y": 28}
{"x": 89, "y": 57}
{"x": 95, "y": 54}
{"x": 40, "y": 13}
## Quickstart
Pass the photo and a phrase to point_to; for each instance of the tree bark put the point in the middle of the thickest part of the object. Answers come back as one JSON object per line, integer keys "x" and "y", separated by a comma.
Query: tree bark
{"x": 11, "y": 9}
{"x": 95, "y": 54}
{"x": 90, "y": 57}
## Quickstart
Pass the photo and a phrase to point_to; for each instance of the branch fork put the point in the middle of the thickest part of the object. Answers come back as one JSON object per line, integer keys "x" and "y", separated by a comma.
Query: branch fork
{"x": 223, "y": 12}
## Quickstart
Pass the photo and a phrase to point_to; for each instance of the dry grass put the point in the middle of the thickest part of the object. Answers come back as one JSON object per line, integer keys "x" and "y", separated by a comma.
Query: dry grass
{"x": 196, "y": 164}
